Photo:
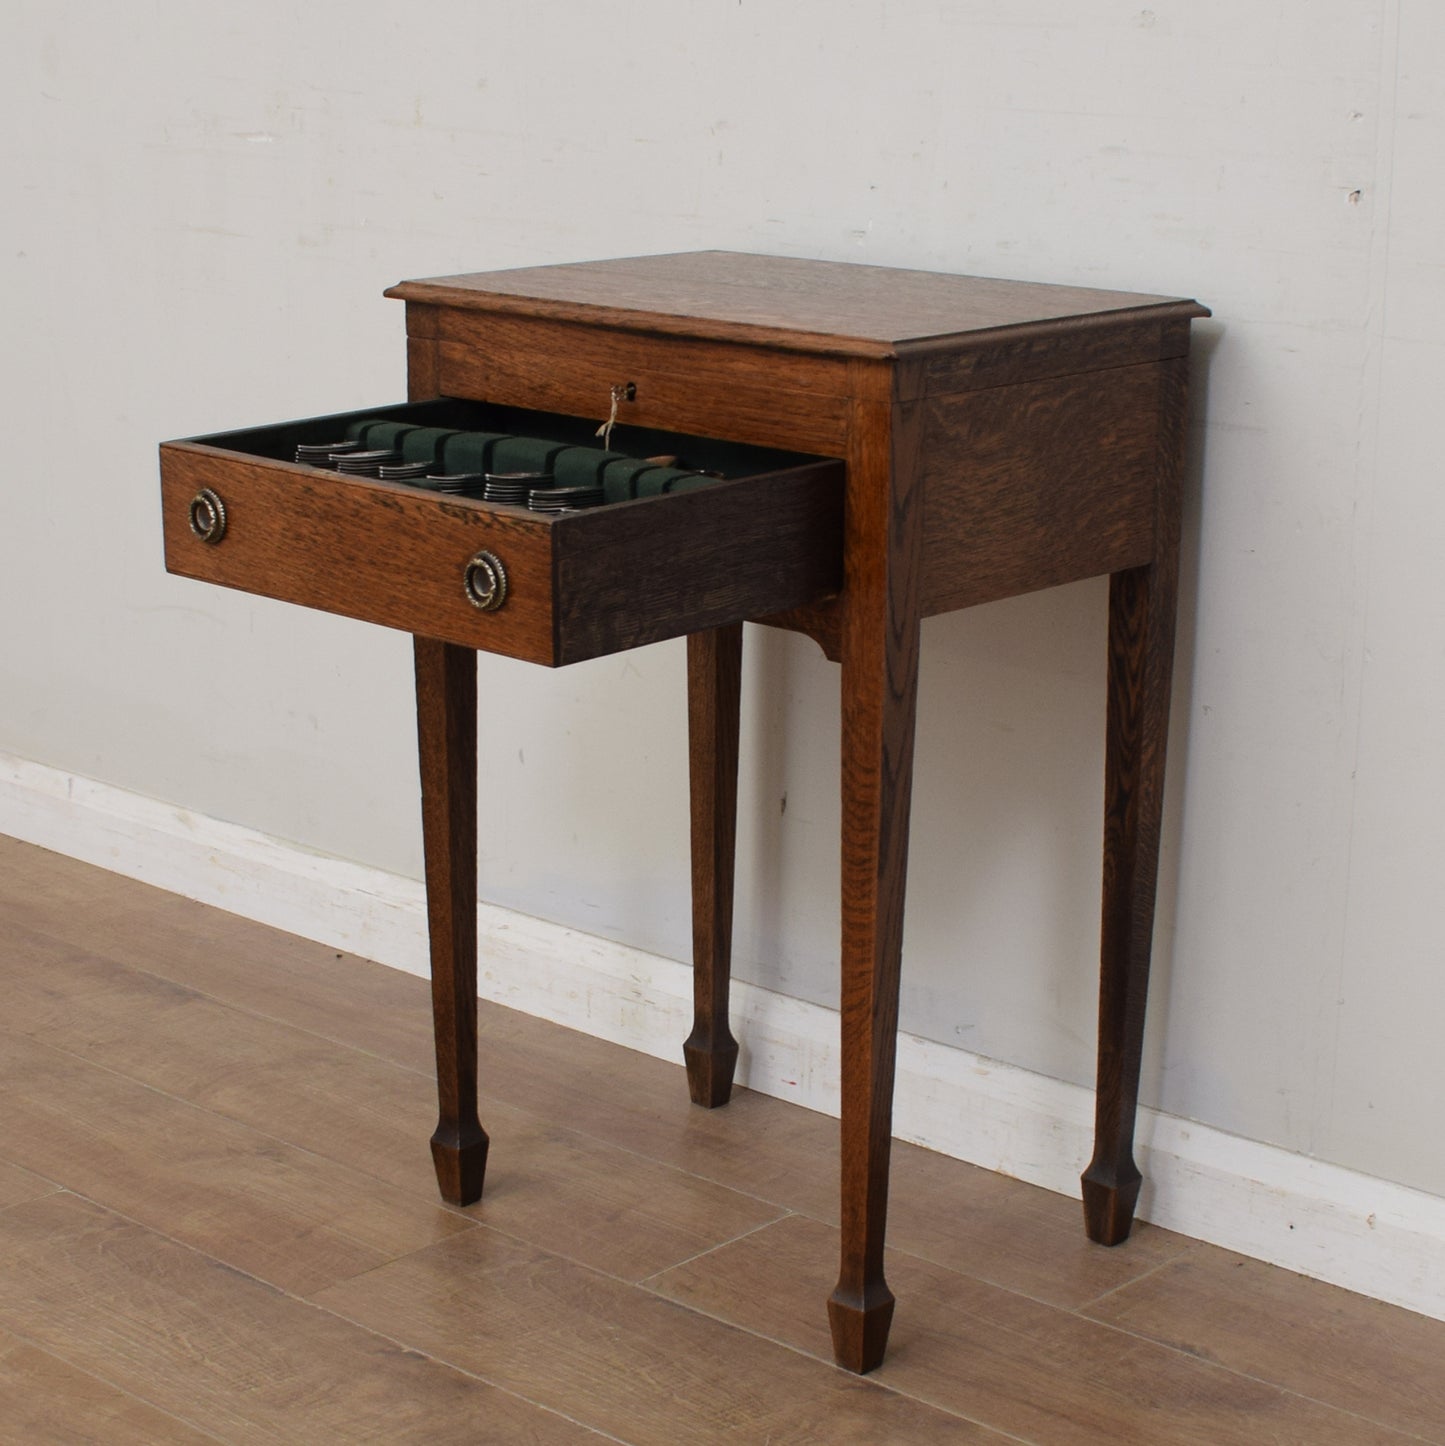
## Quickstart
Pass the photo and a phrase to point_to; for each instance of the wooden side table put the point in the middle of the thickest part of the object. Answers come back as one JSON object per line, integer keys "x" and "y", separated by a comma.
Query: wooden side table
{"x": 997, "y": 437}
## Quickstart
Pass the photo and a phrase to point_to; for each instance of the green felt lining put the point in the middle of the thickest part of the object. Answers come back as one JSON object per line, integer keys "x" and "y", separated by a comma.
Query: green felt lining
{"x": 470, "y": 451}
{"x": 425, "y": 444}
{"x": 525, "y": 454}
{"x": 621, "y": 478}
{"x": 583, "y": 466}
{"x": 376, "y": 435}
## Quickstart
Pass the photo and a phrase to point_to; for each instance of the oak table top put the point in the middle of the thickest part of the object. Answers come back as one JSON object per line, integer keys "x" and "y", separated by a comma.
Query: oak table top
{"x": 825, "y": 307}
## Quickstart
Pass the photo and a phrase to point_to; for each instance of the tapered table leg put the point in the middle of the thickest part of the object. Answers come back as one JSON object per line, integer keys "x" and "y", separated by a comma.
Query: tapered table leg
{"x": 877, "y": 772}
{"x": 446, "y": 716}
{"x": 714, "y": 677}
{"x": 1142, "y": 604}
{"x": 879, "y": 699}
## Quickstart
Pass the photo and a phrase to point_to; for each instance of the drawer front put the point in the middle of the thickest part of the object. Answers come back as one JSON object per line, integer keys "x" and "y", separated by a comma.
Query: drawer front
{"x": 578, "y": 585}
{"x": 747, "y": 394}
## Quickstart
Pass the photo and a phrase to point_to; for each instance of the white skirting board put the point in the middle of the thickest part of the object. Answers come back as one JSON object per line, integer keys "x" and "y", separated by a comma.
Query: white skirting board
{"x": 1369, "y": 1235}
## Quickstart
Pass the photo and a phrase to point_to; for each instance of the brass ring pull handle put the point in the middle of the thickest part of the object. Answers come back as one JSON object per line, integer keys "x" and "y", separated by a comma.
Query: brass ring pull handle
{"x": 485, "y": 581}
{"x": 208, "y": 516}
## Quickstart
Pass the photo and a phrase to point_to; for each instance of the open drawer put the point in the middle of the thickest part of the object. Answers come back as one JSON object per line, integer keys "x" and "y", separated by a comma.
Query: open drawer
{"x": 551, "y": 589}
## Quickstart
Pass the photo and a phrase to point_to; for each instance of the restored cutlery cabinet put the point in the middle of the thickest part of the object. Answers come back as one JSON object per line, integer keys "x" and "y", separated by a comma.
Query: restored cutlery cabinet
{"x": 892, "y": 444}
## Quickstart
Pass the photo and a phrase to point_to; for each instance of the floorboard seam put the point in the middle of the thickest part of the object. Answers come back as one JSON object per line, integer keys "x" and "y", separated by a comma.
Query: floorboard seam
{"x": 386, "y": 1059}
{"x": 98, "y": 952}
{"x": 645, "y": 1282}
{"x": 676, "y": 1304}
{"x": 877, "y": 1385}
{"x": 460, "y": 1370}
{"x": 663, "y": 1130}
{"x": 311, "y": 1305}
{"x": 1085, "y": 1307}
{"x": 1402, "y": 1432}
{"x": 46, "y": 1349}
{"x": 261, "y": 1134}
{"x": 30, "y": 1200}
{"x": 653, "y": 1159}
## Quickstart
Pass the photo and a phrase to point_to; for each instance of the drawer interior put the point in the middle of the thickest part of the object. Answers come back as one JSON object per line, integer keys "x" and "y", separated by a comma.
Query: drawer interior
{"x": 516, "y": 427}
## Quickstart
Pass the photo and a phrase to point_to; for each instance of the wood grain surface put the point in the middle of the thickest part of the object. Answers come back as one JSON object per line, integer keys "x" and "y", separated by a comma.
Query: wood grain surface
{"x": 45, "y": 1399}
{"x": 579, "y": 585}
{"x": 1037, "y": 484}
{"x": 555, "y": 1187}
{"x": 830, "y": 308}
{"x": 1089, "y": 344}
{"x": 270, "y": 1209}
{"x": 1039, "y": 1374}
{"x": 639, "y": 572}
{"x": 550, "y": 1331}
{"x": 376, "y": 551}
{"x": 746, "y": 393}
{"x": 215, "y": 1346}
{"x": 1312, "y": 1338}
{"x": 714, "y": 695}
{"x": 1010, "y": 1326}
{"x": 882, "y": 611}
{"x": 1142, "y": 608}
{"x": 17, "y": 1185}
{"x": 446, "y": 725}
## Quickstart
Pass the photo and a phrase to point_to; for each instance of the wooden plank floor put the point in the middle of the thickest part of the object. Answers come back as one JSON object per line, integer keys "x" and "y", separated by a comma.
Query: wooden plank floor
{"x": 218, "y": 1222}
